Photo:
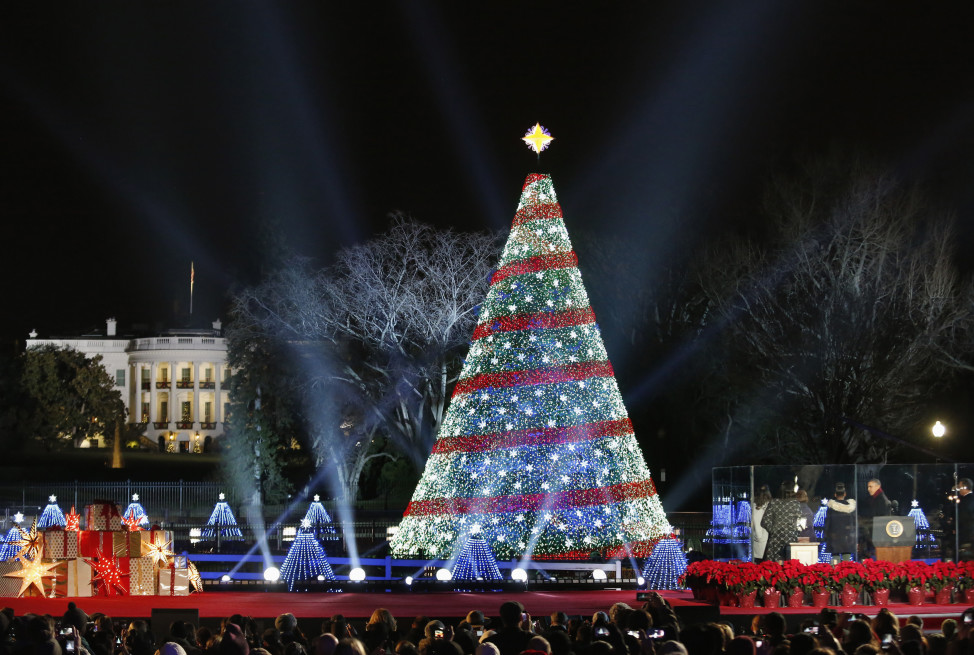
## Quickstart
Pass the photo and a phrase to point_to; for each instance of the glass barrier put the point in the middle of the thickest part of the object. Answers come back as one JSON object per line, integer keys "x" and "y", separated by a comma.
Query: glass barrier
{"x": 894, "y": 512}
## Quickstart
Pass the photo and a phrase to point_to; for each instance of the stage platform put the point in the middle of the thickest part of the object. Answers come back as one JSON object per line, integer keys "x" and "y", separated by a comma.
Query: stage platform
{"x": 311, "y": 608}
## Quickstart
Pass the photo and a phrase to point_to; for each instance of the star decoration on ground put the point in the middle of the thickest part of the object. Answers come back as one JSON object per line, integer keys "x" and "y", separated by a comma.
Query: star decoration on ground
{"x": 160, "y": 553}
{"x": 29, "y": 542}
{"x": 73, "y": 521}
{"x": 33, "y": 574}
{"x": 538, "y": 138}
{"x": 132, "y": 523}
{"x": 195, "y": 578}
{"x": 107, "y": 573}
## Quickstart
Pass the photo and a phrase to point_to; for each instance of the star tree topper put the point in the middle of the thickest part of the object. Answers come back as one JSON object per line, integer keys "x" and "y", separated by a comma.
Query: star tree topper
{"x": 33, "y": 574}
{"x": 538, "y": 138}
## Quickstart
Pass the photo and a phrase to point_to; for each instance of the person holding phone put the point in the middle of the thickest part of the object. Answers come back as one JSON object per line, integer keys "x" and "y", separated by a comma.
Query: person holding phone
{"x": 511, "y": 637}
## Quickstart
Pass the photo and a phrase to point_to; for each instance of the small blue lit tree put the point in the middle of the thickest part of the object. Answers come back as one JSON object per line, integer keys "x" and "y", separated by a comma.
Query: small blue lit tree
{"x": 476, "y": 561}
{"x": 10, "y": 548}
{"x": 52, "y": 515}
{"x": 222, "y": 523}
{"x": 306, "y": 560}
{"x": 925, "y": 539}
{"x": 819, "y": 523}
{"x": 136, "y": 511}
{"x": 320, "y": 521}
{"x": 665, "y": 566}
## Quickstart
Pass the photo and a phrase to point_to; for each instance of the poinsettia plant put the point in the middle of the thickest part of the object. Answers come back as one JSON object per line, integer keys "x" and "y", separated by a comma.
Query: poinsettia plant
{"x": 965, "y": 575}
{"x": 848, "y": 574}
{"x": 943, "y": 575}
{"x": 745, "y": 577}
{"x": 816, "y": 577}
{"x": 789, "y": 576}
{"x": 879, "y": 574}
{"x": 913, "y": 574}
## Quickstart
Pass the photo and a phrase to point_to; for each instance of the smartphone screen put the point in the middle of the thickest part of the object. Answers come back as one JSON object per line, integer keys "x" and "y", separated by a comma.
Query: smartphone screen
{"x": 438, "y": 634}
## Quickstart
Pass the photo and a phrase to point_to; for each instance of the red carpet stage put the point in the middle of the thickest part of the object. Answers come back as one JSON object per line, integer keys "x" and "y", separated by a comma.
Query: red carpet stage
{"x": 217, "y": 605}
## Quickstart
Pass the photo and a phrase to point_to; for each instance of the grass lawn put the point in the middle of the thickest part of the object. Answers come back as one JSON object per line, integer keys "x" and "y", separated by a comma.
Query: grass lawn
{"x": 95, "y": 465}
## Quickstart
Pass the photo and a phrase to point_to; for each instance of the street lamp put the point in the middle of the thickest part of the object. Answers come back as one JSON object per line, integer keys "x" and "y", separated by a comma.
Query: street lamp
{"x": 938, "y": 429}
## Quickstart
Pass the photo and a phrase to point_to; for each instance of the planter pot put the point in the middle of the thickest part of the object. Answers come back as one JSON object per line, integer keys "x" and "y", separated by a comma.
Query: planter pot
{"x": 772, "y": 598}
{"x": 848, "y": 596}
{"x": 796, "y": 598}
{"x": 942, "y": 597}
{"x": 726, "y": 598}
{"x": 747, "y": 600}
{"x": 969, "y": 597}
{"x": 820, "y": 599}
{"x": 881, "y": 597}
{"x": 915, "y": 595}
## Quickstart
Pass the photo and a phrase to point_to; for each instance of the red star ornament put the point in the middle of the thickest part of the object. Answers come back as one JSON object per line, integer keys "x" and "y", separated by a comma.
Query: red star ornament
{"x": 108, "y": 574}
{"x": 73, "y": 521}
{"x": 132, "y": 523}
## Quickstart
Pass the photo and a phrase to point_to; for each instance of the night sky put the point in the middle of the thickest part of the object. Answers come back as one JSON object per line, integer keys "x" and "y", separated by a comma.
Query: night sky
{"x": 140, "y": 136}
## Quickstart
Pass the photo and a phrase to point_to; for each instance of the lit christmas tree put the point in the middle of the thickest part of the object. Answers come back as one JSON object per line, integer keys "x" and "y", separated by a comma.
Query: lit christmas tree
{"x": 52, "y": 515}
{"x": 536, "y": 449}
{"x": 925, "y": 539}
{"x": 222, "y": 522}
{"x": 319, "y": 519}
{"x": 667, "y": 563}
{"x": 11, "y": 543}
{"x": 819, "y": 524}
{"x": 306, "y": 560}
{"x": 136, "y": 512}
{"x": 476, "y": 561}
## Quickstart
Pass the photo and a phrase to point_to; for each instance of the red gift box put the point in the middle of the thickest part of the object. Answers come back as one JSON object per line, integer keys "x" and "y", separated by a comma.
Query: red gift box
{"x": 92, "y": 543}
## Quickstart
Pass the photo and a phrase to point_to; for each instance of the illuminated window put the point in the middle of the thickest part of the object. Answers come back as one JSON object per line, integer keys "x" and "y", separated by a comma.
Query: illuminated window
{"x": 120, "y": 377}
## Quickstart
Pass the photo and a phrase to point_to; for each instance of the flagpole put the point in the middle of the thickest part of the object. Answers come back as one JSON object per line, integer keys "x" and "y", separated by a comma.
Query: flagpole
{"x": 192, "y": 274}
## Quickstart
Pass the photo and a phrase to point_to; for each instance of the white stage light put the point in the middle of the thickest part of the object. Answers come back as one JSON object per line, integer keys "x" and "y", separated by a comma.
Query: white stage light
{"x": 272, "y": 574}
{"x": 598, "y": 574}
{"x": 357, "y": 574}
{"x": 444, "y": 575}
{"x": 409, "y": 580}
{"x": 519, "y": 575}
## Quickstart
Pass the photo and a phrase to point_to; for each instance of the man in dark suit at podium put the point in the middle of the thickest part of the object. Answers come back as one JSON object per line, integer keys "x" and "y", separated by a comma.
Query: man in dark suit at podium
{"x": 874, "y": 504}
{"x": 965, "y": 519}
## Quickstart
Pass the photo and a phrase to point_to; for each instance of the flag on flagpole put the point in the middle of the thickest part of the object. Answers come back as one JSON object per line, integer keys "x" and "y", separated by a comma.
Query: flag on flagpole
{"x": 192, "y": 276}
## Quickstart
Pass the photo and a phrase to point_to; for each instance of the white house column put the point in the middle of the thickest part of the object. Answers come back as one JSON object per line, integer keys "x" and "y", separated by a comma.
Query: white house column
{"x": 153, "y": 397}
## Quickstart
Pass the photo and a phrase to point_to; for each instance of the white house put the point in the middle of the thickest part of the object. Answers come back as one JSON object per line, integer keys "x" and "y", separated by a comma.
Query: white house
{"x": 174, "y": 385}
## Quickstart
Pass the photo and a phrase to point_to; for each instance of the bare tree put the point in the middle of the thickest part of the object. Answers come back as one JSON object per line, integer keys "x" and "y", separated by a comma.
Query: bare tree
{"x": 377, "y": 338}
{"x": 855, "y": 317}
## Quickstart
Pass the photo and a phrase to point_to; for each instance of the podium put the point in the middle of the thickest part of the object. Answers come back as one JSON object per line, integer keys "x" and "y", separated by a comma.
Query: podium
{"x": 805, "y": 552}
{"x": 894, "y": 538}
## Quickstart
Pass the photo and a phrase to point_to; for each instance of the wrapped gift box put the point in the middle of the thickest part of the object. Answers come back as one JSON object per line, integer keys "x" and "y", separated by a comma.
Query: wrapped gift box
{"x": 9, "y": 587}
{"x": 156, "y": 537}
{"x": 92, "y": 543}
{"x": 127, "y": 544}
{"x": 60, "y": 544}
{"x": 102, "y": 515}
{"x": 174, "y": 581}
{"x": 73, "y": 579}
{"x": 142, "y": 576}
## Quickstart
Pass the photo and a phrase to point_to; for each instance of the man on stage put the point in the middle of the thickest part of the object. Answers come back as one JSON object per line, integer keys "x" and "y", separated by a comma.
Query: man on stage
{"x": 965, "y": 519}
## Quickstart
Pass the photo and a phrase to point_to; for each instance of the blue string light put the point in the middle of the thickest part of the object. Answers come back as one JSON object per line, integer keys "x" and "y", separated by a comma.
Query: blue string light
{"x": 306, "y": 560}
{"x": 819, "y": 523}
{"x": 222, "y": 522}
{"x": 9, "y": 548}
{"x": 319, "y": 519}
{"x": 51, "y": 516}
{"x": 476, "y": 561}
{"x": 665, "y": 566}
{"x": 924, "y": 538}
